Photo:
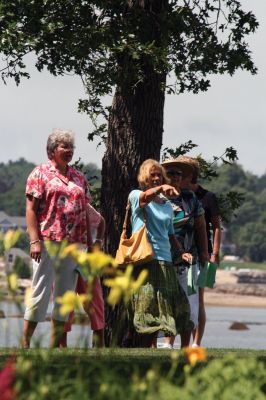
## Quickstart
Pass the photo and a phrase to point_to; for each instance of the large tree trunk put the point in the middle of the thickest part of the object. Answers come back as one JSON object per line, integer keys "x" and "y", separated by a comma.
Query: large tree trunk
{"x": 134, "y": 134}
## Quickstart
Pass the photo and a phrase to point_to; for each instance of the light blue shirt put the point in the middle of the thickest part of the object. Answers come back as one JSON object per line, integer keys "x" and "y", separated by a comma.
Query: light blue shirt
{"x": 159, "y": 224}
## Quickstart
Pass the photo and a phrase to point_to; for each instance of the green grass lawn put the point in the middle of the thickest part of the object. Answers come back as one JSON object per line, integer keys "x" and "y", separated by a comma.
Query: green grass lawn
{"x": 245, "y": 265}
{"x": 119, "y": 356}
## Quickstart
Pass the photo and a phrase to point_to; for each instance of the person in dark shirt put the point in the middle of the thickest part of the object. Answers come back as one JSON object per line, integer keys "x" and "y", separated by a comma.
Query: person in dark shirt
{"x": 212, "y": 216}
{"x": 190, "y": 231}
{"x": 213, "y": 228}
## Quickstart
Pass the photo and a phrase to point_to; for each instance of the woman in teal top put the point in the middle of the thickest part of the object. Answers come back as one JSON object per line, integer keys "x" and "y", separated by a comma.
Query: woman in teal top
{"x": 160, "y": 304}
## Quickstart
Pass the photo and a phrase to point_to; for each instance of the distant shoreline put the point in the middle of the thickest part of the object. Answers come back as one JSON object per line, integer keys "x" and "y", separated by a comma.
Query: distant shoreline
{"x": 229, "y": 292}
{"x": 215, "y": 299}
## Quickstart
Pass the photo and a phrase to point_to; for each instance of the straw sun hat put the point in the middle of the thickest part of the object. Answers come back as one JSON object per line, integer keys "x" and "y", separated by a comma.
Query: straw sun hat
{"x": 186, "y": 164}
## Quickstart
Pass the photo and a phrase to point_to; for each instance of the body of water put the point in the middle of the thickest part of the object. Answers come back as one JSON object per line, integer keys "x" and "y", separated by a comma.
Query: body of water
{"x": 217, "y": 332}
{"x": 11, "y": 330}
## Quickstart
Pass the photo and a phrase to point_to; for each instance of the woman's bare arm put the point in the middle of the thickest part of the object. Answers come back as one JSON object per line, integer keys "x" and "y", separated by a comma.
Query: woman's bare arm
{"x": 176, "y": 246}
{"x": 32, "y": 204}
{"x": 150, "y": 194}
{"x": 201, "y": 238}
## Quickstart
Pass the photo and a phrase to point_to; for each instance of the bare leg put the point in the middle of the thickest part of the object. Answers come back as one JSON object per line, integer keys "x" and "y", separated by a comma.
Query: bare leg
{"x": 185, "y": 338}
{"x": 199, "y": 331}
{"x": 98, "y": 338}
{"x": 63, "y": 340}
{"x": 147, "y": 340}
{"x": 169, "y": 340}
{"x": 57, "y": 332}
{"x": 98, "y": 335}
{"x": 28, "y": 330}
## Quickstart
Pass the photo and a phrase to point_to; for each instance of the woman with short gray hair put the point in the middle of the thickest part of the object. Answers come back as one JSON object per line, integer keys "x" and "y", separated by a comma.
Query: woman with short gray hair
{"x": 59, "y": 136}
{"x": 56, "y": 204}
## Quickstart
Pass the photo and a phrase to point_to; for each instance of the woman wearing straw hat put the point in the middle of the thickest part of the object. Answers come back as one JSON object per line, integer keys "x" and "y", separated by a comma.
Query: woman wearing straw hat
{"x": 160, "y": 304}
{"x": 190, "y": 230}
{"x": 213, "y": 223}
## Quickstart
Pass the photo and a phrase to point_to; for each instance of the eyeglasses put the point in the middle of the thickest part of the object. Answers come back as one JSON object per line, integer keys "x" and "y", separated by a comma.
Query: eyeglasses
{"x": 66, "y": 146}
{"x": 154, "y": 174}
{"x": 174, "y": 173}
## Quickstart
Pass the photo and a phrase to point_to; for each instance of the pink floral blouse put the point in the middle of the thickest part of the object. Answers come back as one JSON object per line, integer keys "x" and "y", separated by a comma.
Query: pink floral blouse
{"x": 63, "y": 201}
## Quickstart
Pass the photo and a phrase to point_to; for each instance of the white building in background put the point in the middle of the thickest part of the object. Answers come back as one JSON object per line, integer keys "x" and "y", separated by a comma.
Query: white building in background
{"x": 7, "y": 222}
{"x": 11, "y": 255}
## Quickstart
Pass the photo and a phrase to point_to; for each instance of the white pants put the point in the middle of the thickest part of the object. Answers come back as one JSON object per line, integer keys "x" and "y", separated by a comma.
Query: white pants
{"x": 194, "y": 298}
{"x": 48, "y": 276}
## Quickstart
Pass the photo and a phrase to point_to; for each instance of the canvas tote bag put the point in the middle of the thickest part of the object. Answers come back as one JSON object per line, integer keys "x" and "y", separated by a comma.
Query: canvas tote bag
{"x": 137, "y": 249}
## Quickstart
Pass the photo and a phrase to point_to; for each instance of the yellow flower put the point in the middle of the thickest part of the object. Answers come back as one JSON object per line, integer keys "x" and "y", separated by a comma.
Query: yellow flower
{"x": 68, "y": 250}
{"x": 52, "y": 248}
{"x": 70, "y": 301}
{"x": 195, "y": 355}
{"x": 99, "y": 260}
{"x": 12, "y": 282}
{"x": 82, "y": 258}
{"x": 93, "y": 264}
{"x": 123, "y": 285}
{"x": 140, "y": 280}
{"x": 11, "y": 237}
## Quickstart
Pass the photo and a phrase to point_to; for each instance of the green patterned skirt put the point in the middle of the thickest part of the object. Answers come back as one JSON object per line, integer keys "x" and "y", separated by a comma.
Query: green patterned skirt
{"x": 160, "y": 304}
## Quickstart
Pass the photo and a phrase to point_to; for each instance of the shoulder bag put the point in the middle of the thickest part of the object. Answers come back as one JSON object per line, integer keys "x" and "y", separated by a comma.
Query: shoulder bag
{"x": 136, "y": 249}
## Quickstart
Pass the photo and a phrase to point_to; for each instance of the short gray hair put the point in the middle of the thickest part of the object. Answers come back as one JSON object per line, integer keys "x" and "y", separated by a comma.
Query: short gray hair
{"x": 59, "y": 136}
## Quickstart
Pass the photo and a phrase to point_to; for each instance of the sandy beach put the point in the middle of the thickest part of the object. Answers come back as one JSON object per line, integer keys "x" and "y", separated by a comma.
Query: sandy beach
{"x": 229, "y": 292}
{"x": 233, "y": 300}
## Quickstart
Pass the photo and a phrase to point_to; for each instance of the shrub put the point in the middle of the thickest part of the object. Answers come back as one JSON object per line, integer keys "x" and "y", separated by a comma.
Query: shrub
{"x": 228, "y": 378}
{"x": 53, "y": 375}
{"x": 21, "y": 268}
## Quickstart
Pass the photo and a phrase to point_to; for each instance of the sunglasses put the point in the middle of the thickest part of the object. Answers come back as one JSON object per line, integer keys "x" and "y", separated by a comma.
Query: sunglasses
{"x": 174, "y": 173}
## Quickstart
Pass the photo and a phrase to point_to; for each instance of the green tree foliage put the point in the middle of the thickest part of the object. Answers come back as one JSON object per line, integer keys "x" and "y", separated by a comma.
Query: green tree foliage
{"x": 132, "y": 46}
{"x": 247, "y": 228}
{"x": 229, "y": 200}
{"x": 22, "y": 268}
{"x": 2, "y": 249}
{"x": 93, "y": 176}
{"x": 23, "y": 242}
{"x": 13, "y": 176}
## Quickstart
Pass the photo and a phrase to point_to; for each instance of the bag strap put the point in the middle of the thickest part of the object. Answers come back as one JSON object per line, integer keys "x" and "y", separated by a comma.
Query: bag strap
{"x": 127, "y": 218}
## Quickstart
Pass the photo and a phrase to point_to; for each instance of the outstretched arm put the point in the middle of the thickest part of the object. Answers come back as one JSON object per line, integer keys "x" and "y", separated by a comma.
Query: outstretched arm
{"x": 150, "y": 194}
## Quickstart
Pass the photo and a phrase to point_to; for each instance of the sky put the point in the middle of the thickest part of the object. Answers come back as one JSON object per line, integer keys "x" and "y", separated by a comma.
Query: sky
{"x": 231, "y": 113}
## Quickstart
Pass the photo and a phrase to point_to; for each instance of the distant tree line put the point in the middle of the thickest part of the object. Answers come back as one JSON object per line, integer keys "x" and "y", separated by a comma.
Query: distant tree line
{"x": 246, "y": 230}
{"x": 13, "y": 177}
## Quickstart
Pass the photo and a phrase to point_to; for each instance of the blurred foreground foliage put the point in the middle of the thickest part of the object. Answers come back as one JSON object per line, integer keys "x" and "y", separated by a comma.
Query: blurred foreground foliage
{"x": 134, "y": 374}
